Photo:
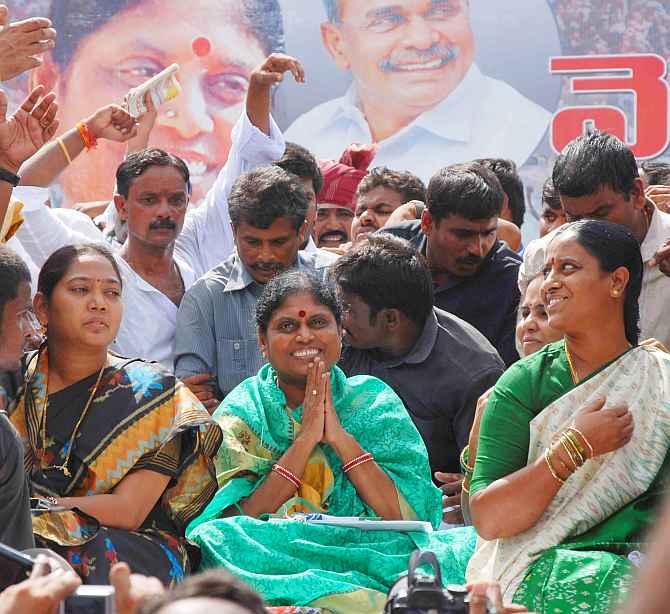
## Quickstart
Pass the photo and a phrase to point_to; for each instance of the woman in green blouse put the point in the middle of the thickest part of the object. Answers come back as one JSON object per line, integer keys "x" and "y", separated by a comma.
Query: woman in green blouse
{"x": 574, "y": 437}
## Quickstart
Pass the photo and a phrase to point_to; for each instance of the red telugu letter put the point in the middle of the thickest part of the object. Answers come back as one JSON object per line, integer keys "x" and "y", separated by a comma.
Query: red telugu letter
{"x": 642, "y": 76}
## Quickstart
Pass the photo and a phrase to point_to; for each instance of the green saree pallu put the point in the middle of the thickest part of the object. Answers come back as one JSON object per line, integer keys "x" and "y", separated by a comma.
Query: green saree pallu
{"x": 294, "y": 563}
{"x": 576, "y": 557}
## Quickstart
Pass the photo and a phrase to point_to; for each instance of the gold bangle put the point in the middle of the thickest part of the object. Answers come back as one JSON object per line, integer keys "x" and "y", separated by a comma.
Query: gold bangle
{"x": 587, "y": 443}
{"x": 571, "y": 456}
{"x": 571, "y": 440}
{"x": 560, "y": 480}
{"x": 465, "y": 457}
{"x": 66, "y": 153}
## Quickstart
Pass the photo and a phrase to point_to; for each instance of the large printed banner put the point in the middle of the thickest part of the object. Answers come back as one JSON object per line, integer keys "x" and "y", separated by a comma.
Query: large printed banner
{"x": 433, "y": 82}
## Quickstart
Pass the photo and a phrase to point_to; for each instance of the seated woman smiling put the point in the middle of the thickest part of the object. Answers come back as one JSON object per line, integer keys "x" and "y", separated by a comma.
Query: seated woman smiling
{"x": 301, "y": 437}
{"x": 119, "y": 451}
{"x": 574, "y": 440}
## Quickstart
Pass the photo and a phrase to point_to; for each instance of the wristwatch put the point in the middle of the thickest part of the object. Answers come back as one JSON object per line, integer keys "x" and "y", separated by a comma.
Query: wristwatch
{"x": 9, "y": 177}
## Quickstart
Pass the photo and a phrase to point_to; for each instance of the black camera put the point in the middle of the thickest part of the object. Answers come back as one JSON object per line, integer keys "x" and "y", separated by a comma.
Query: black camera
{"x": 419, "y": 594}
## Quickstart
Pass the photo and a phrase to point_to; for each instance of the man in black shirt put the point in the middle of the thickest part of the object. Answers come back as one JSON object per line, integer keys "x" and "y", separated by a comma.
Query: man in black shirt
{"x": 474, "y": 274}
{"x": 437, "y": 364}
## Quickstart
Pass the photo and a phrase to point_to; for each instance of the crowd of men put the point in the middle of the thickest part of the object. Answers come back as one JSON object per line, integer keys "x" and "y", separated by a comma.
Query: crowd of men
{"x": 430, "y": 290}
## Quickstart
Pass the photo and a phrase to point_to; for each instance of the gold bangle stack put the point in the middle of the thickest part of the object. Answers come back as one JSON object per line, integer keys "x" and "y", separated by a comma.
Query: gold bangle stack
{"x": 577, "y": 450}
{"x": 465, "y": 457}
{"x": 572, "y": 451}
{"x": 579, "y": 438}
{"x": 553, "y": 472}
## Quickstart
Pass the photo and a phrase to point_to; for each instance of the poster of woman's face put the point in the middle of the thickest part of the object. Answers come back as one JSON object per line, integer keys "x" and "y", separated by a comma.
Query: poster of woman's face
{"x": 433, "y": 82}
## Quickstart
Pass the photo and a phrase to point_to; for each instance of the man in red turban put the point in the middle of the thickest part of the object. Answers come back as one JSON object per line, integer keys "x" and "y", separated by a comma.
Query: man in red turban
{"x": 336, "y": 200}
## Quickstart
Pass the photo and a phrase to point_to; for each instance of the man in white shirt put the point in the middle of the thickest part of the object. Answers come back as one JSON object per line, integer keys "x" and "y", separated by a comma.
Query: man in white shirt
{"x": 597, "y": 177}
{"x": 416, "y": 90}
{"x": 153, "y": 287}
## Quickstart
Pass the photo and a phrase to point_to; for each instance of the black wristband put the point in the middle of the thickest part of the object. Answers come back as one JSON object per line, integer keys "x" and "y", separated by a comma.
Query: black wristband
{"x": 9, "y": 177}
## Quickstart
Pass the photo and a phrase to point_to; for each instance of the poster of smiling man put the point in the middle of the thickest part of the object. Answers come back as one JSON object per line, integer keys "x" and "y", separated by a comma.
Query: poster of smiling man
{"x": 429, "y": 82}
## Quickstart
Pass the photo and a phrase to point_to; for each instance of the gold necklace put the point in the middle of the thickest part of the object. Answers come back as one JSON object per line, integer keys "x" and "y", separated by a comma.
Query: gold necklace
{"x": 70, "y": 444}
{"x": 573, "y": 371}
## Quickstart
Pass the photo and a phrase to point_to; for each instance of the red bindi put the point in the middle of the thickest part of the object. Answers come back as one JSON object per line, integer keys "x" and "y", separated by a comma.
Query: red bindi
{"x": 301, "y": 313}
{"x": 201, "y": 46}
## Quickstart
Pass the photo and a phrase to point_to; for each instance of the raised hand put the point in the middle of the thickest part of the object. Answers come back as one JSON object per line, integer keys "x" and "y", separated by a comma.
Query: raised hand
{"x": 21, "y": 41}
{"x": 332, "y": 427}
{"x": 606, "y": 429}
{"x": 145, "y": 124}
{"x": 42, "y": 592}
{"x": 269, "y": 73}
{"x": 30, "y": 127}
{"x": 113, "y": 123}
{"x": 272, "y": 70}
{"x": 132, "y": 590}
{"x": 313, "y": 416}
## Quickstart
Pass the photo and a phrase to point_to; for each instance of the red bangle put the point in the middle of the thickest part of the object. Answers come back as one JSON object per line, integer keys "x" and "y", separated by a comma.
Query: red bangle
{"x": 90, "y": 141}
{"x": 286, "y": 474}
{"x": 355, "y": 462}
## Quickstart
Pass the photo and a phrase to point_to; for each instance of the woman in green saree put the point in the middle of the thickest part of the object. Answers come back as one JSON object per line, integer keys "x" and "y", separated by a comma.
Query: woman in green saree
{"x": 301, "y": 437}
{"x": 574, "y": 439}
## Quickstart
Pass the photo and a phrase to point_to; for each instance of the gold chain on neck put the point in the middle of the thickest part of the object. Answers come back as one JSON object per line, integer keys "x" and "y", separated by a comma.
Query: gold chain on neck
{"x": 70, "y": 444}
{"x": 573, "y": 371}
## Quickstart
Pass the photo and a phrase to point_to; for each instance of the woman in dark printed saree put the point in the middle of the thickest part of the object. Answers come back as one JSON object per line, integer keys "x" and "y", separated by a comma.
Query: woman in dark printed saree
{"x": 573, "y": 446}
{"x": 119, "y": 452}
{"x": 301, "y": 437}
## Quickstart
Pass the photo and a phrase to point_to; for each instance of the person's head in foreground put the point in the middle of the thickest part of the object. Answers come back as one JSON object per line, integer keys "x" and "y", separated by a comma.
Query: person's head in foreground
{"x": 552, "y": 215}
{"x": 463, "y": 203}
{"x": 107, "y": 47}
{"x": 301, "y": 163}
{"x": 533, "y": 331}
{"x": 268, "y": 207}
{"x": 336, "y": 201}
{"x": 596, "y": 177}
{"x": 153, "y": 188}
{"x": 299, "y": 320}
{"x": 592, "y": 280}
{"x": 209, "y": 592}
{"x": 379, "y": 194}
{"x": 514, "y": 206}
{"x": 408, "y": 53}
{"x": 16, "y": 316}
{"x": 387, "y": 293}
{"x": 78, "y": 299}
